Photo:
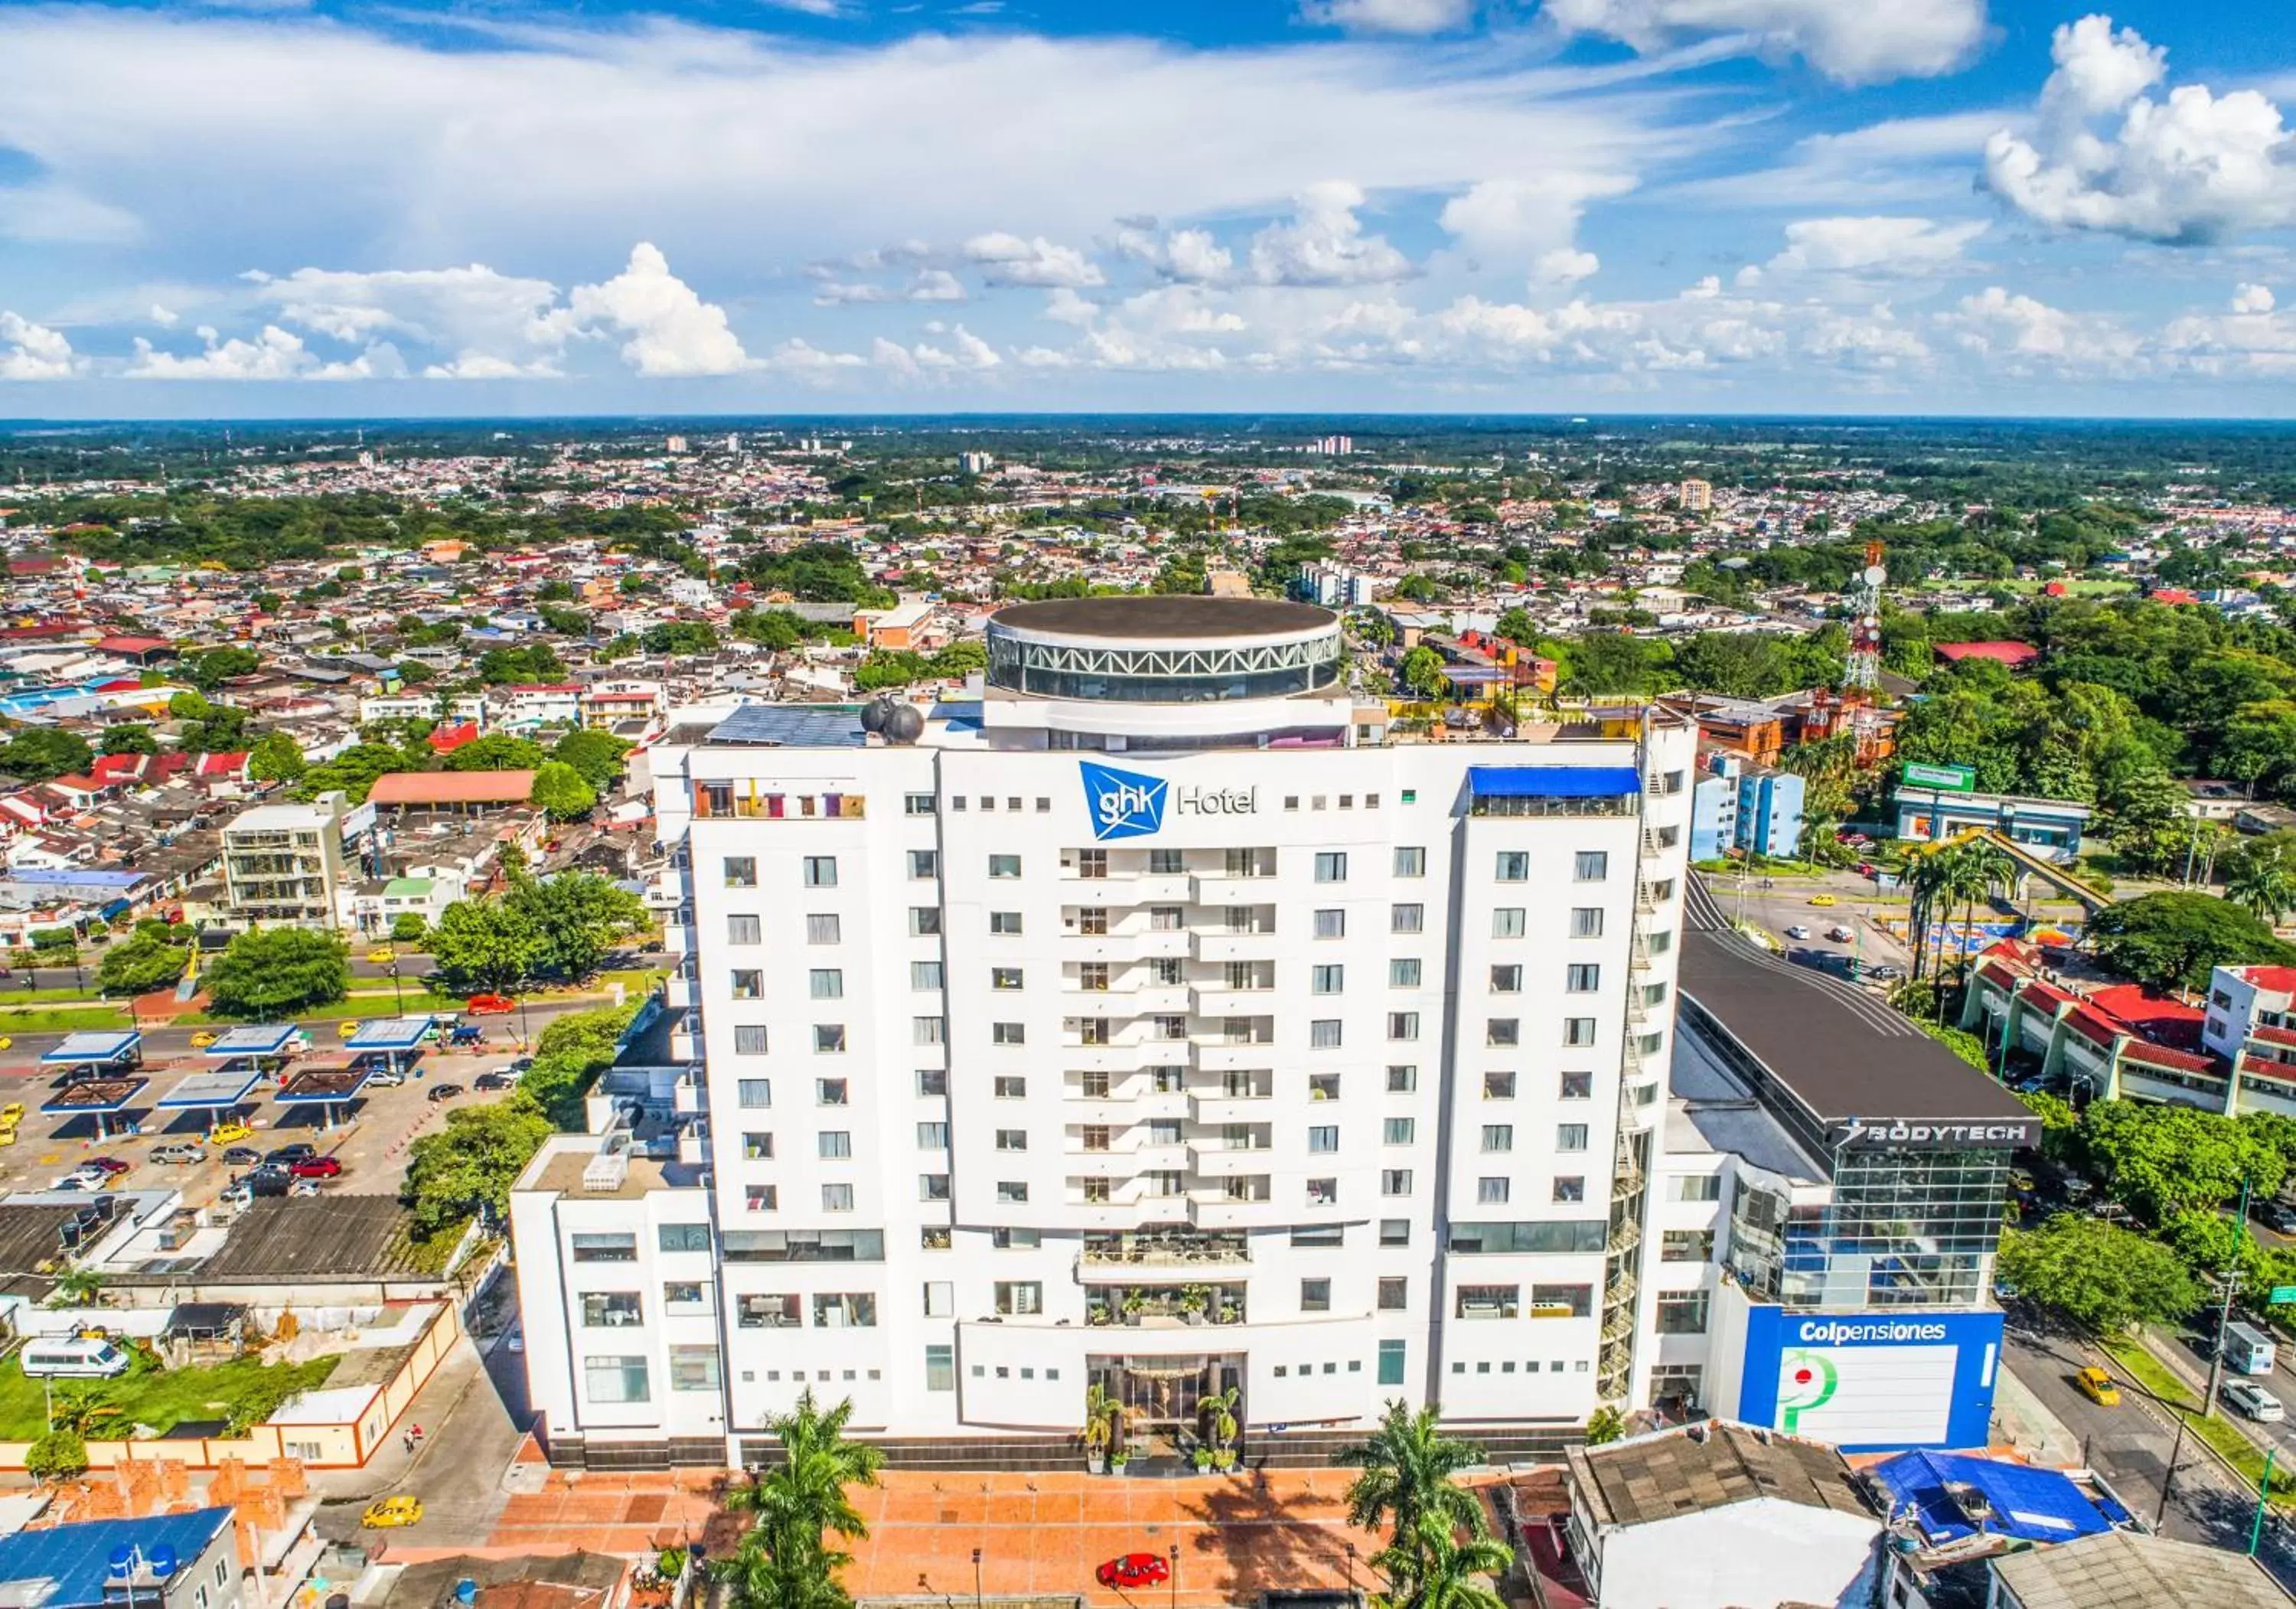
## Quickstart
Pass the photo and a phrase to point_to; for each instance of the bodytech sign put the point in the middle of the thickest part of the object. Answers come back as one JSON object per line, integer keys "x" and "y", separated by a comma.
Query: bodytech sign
{"x": 1905, "y": 1134}
{"x": 1129, "y": 804}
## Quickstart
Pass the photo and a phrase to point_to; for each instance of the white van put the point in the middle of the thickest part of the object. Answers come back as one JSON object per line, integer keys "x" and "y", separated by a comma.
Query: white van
{"x": 2247, "y": 1349}
{"x": 73, "y": 1355}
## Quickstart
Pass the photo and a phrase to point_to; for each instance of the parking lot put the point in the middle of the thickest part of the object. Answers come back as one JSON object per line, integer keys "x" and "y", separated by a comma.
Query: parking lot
{"x": 370, "y": 1137}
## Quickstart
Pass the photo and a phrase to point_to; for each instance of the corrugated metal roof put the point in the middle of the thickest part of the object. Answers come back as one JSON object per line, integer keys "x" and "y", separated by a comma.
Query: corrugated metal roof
{"x": 78, "y": 1557}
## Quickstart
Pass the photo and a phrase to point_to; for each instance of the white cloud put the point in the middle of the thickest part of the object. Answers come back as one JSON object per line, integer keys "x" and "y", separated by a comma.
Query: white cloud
{"x": 1565, "y": 266}
{"x": 30, "y": 351}
{"x": 1390, "y": 16}
{"x": 2252, "y": 299}
{"x": 2022, "y": 333}
{"x": 1854, "y": 41}
{"x": 1901, "y": 162}
{"x": 165, "y": 318}
{"x": 275, "y": 354}
{"x": 926, "y": 285}
{"x": 55, "y": 215}
{"x": 495, "y": 325}
{"x": 673, "y": 332}
{"x": 2191, "y": 169}
{"x": 1517, "y": 220}
{"x": 1188, "y": 255}
{"x": 1873, "y": 246}
{"x": 1007, "y": 259}
{"x": 1323, "y": 244}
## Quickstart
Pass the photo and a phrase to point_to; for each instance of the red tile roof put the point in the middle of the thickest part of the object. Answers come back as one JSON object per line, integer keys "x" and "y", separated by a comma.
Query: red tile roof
{"x": 452, "y": 787}
{"x": 2007, "y": 654}
{"x": 2278, "y": 980}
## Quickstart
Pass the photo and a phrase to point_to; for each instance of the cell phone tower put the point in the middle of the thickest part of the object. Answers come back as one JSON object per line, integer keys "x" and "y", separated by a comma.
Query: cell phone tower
{"x": 1862, "y": 676}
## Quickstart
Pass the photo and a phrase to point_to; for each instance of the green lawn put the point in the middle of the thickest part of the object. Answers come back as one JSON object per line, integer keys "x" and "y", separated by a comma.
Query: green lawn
{"x": 2170, "y": 1391}
{"x": 245, "y": 1392}
{"x": 61, "y": 1019}
{"x": 42, "y": 996}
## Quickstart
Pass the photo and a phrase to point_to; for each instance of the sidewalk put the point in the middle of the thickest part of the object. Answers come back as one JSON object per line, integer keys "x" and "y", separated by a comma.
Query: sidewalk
{"x": 2022, "y": 1422}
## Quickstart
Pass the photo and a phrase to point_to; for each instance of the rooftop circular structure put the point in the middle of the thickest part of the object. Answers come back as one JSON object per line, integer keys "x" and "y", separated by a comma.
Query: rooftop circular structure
{"x": 1164, "y": 649}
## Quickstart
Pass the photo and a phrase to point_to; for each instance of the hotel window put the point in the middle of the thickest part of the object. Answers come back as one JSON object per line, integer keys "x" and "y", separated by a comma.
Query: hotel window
{"x": 1591, "y": 866}
{"x": 1093, "y": 1031}
{"x": 834, "y": 1144}
{"x": 1089, "y": 863}
{"x": 932, "y": 1187}
{"x": 1395, "y": 1231}
{"x": 1502, "y": 1032}
{"x": 1410, "y": 861}
{"x": 1331, "y": 866}
{"x": 1019, "y": 1298}
{"x": 1582, "y": 978}
{"x": 917, "y": 804}
{"x": 740, "y": 871}
{"x": 1096, "y": 1137}
{"x": 1491, "y": 1192}
{"x": 687, "y": 1295}
{"x": 924, "y": 975}
{"x": 1403, "y": 972}
{"x": 1008, "y": 1033}
{"x": 1395, "y": 1181}
{"x": 1578, "y": 1031}
{"x": 1331, "y": 925}
{"x": 1168, "y": 1025}
{"x": 1506, "y": 922}
{"x": 824, "y": 928}
{"x": 1513, "y": 866}
{"x": 749, "y": 983}
{"x": 827, "y": 983}
{"x": 1571, "y": 1187}
{"x": 1091, "y": 977}
{"x": 744, "y": 930}
{"x": 1407, "y": 918}
{"x": 932, "y": 1137}
{"x": 1092, "y": 1085}
{"x": 1498, "y": 1137}
{"x": 1403, "y": 1025}
{"x": 1699, "y": 1186}
{"x": 924, "y": 922}
{"x": 603, "y": 1309}
{"x": 1391, "y": 1362}
{"x": 1164, "y": 971}
{"x": 1326, "y": 979}
{"x": 1009, "y": 1088}
{"x": 1564, "y": 1301}
{"x": 1004, "y": 924}
{"x": 1570, "y": 1136}
{"x": 1011, "y": 1139}
{"x": 767, "y": 1310}
{"x": 829, "y": 1039}
{"x": 693, "y": 1368}
{"x": 932, "y": 1080}
{"x": 924, "y": 864}
{"x": 1402, "y": 1080}
{"x": 757, "y": 1148}
{"x": 1162, "y": 863}
{"x": 1498, "y": 1085}
{"x": 1166, "y": 918}
{"x": 1095, "y": 1189}
{"x": 1323, "y": 1138}
{"x": 749, "y": 1038}
{"x": 844, "y": 1310}
{"x": 1013, "y": 1193}
{"x": 1587, "y": 921}
{"x": 1003, "y": 866}
{"x": 1682, "y": 1313}
{"x": 1016, "y": 1240}
{"x": 615, "y": 1380}
{"x": 1507, "y": 980}
{"x": 1487, "y": 1302}
{"x": 1314, "y": 1295}
{"x": 941, "y": 1368}
{"x": 837, "y": 1198}
{"x": 1687, "y": 1245}
{"x": 1092, "y": 921}
{"x": 941, "y": 1299}
{"x": 761, "y": 1198}
{"x": 1324, "y": 1034}
{"x": 1575, "y": 1085}
{"x": 831, "y": 1092}
{"x": 1394, "y": 1293}
{"x": 821, "y": 871}
{"x": 1323, "y": 1086}
{"x": 1005, "y": 976}
{"x": 1399, "y": 1130}
{"x": 1321, "y": 1191}
{"x": 683, "y": 1237}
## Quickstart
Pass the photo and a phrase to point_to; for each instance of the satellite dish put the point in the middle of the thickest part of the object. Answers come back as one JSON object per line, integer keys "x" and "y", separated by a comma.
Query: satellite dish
{"x": 1875, "y": 574}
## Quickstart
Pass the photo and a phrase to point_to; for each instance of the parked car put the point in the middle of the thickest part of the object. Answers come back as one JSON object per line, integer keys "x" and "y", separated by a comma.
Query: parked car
{"x": 443, "y": 1092}
{"x": 1887, "y": 972}
{"x": 385, "y": 1078}
{"x": 2247, "y": 1398}
{"x": 283, "y": 1154}
{"x": 1134, "y": 1569}
{"x": 2280, "y": 1215}
{"x": 241, "y": 1156}
{"x": 489, "y": 1006}
{"x": 497, "y": 1079}
{"x": 316, "y": 1167}
{"x": 390, "y": 1512}
{"x": 521, "y": 1067}
{"x": 178, "y": 1153}
{"x": 229, "y": 1133}
{"x": 111, "y": 1165}
{"x": 81, "y": 1178}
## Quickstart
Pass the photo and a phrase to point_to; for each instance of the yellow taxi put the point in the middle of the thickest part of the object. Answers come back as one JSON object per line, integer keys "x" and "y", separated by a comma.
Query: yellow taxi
{"x": 381, "y": 957}
{"x": 11, "y": 1114}
{"x": 7, "y": 1137}
{"x": 204, "y": 1038}
{"x": 2098, "y": 1387}
{"x": 347, "y": 1029}
{"x": 229, "y": 1134}
{"x": 385, "y": 1513}
{"x": 1823, "y": 899}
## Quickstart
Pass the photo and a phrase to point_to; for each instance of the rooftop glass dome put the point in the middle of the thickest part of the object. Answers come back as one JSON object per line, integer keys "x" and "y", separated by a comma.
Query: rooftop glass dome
{"x": 1164, "y": 649}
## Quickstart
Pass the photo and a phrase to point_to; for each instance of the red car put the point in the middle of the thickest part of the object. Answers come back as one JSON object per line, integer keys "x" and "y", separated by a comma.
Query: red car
{"x": 489, "y": 1006}
{"x": 111, "y": 1165}
{"x": 316, "y": 1167}
{"x": 1134, "y": 1569}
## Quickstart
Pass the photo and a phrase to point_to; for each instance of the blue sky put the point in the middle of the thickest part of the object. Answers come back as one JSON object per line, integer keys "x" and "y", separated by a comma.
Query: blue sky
{"x": 266, "y": 209}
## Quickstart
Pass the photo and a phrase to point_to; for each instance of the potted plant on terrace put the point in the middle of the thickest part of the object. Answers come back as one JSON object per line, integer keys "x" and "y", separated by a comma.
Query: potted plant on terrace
{"x": 1098, "y": 1431}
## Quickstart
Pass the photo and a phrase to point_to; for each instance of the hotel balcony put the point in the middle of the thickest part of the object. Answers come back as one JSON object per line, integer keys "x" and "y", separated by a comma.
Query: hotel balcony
{"x": 1112, "y": 1255}
{"x": 1224, "y": 944}
{"x": 1217, "y": 888}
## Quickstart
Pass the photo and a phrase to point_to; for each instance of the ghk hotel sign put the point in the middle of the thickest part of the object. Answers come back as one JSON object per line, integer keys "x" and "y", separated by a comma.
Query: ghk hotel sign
{"x": 1129, "y": 804}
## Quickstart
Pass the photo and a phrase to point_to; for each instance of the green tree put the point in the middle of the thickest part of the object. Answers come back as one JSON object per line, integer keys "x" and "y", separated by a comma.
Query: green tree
{"x": 1605, "y": 1425}
{"x": 2172, "y": 940}
{"x": 352, "y": 773}
{"x": 568, "y": 1056}
{"x": 408, "y": 927}
{"x": 2153, "y": 827}
{"x": 596, "y": 755}
{"x": 210, "y": 669}
{"x": 1516, "y": 626}
{"x": 1736, "y": 664}
{"x": 561, "y": 794}
{"x": 471, "y": 1164}
{"x": 1444, "y": 1569}
{"x": 785, "y": 1561}
{"x": 1408, "y": 1467}
{"x": 271, "y": 973}
{"x": 2160, "y": 1161}
{"x": 485, "y": 946}
{"x": 578, "y": 917}
{"x": 275, "y": 758}
{"x": 496, "y": 751}
{"x": 130, "y": 737}
{"x": 57, "y": 1457}
{"x": 45, "y": 753}
{"x": 2098, "y": 1274}
{"x": 2263, "y": 881}
{"x": 142, "y": 963}
{"x": 1422, "y": 673}
{"x": 777, "y": 630}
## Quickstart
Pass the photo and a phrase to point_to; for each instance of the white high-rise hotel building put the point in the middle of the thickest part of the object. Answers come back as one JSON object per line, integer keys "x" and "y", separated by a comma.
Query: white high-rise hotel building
{"x": 1161, "y": 1019}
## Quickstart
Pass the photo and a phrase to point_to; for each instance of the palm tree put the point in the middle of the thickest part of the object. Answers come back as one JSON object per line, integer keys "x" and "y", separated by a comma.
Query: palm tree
{"x": 1219, "y": 1410}
{"x": 1924, "y": 876}
{"x": 783, "y": 1561}
{"x": 1408, "y": 1463}
{"x": 1443, "y": 1569}
{"x": 1977, "y": 865}
{"x": 2263, "y": 883}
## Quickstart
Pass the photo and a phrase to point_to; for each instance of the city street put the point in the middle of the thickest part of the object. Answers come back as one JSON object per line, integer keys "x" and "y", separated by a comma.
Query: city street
{"x": 1786, "y": 903}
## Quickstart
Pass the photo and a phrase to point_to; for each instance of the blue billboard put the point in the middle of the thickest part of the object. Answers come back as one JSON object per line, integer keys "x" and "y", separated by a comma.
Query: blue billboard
{"x": 1872, "y": 1382}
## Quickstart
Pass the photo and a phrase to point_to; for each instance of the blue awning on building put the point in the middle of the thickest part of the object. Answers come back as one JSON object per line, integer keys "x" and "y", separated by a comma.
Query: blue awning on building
{"x": 1552, "y": 782}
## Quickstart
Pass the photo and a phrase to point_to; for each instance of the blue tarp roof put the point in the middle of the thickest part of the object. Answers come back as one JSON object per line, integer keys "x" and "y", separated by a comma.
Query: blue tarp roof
{"x": 78, "y": 1558}
{"x": 93, "y": 1047}
{"x": 2038, "y": 1505}
{"x": 1552, "y": 782}
{"x": 63, "y": 878}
